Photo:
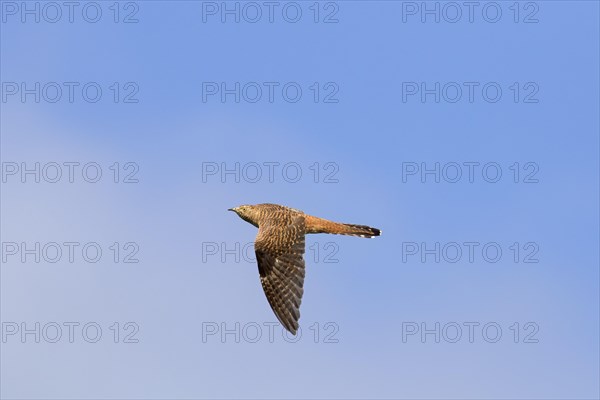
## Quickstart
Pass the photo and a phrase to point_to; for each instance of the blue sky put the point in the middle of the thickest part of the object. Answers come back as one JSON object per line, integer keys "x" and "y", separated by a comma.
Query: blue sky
{"x": 369, "y": 128}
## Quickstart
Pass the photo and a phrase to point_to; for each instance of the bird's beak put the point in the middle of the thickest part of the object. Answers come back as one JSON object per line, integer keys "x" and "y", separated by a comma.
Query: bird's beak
{"x": 230, "y": 209}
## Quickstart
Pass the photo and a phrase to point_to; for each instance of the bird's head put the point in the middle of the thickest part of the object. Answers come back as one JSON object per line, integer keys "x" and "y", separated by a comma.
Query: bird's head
{"x": 247, "y": 213}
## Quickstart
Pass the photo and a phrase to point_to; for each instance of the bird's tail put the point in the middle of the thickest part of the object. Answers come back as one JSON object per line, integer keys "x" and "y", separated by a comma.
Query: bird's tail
{"x": 320, "y": 225}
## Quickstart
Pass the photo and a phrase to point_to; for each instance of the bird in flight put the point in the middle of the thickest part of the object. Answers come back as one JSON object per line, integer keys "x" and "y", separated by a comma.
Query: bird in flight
{"x": 279, "y": 248}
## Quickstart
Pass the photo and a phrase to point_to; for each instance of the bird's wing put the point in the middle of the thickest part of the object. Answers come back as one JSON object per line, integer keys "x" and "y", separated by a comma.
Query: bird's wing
{"x": 279, "y": 252}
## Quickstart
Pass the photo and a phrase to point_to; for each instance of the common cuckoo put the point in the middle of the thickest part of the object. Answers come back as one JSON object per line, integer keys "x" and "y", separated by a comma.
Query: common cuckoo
{"x": 279, "y": 248}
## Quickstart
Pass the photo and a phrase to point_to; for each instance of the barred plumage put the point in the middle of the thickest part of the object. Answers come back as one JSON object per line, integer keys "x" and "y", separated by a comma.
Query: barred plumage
{"x": 279, "y": 248}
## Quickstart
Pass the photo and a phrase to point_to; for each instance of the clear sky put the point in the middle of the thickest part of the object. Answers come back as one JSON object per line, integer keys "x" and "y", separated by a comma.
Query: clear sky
{"x": 468, "y": 133}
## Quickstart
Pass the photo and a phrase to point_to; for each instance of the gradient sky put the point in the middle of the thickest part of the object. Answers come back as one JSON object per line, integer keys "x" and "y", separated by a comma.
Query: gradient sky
{"x": 366, "y": 138}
